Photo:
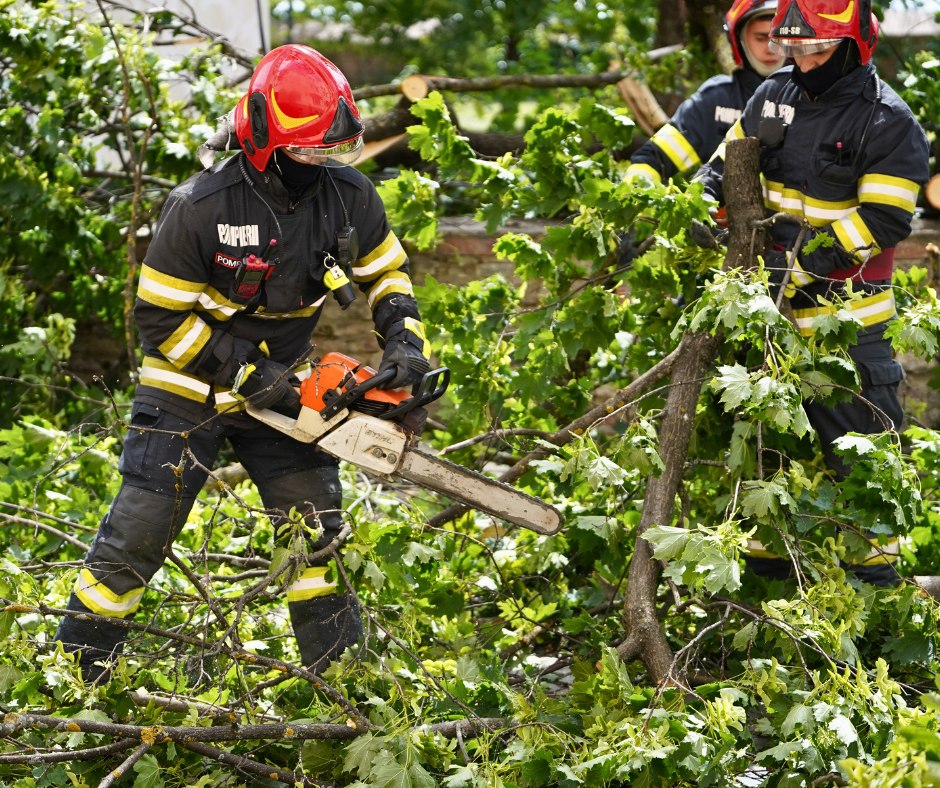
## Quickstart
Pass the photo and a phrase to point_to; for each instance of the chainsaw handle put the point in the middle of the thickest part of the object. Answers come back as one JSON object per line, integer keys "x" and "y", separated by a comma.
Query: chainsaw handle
{"x": 357, "y": 392}
{"x": 431, "y": 386}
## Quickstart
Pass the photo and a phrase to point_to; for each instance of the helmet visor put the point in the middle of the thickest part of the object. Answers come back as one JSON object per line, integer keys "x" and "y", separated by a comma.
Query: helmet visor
{"x": 341, "y": 155}
{"x": 797, "y": 47}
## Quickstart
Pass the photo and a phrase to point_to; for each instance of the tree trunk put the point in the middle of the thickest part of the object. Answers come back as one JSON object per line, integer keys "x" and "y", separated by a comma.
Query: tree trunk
{"x": 645, "y": 638}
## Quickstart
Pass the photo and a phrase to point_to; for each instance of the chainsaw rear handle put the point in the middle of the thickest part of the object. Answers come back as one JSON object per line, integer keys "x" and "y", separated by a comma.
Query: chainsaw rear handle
{"x": 431, "y": 386}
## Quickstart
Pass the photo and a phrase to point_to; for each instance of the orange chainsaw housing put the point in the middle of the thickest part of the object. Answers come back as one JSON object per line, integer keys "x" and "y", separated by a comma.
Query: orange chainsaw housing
{"x": 336, "y": 373}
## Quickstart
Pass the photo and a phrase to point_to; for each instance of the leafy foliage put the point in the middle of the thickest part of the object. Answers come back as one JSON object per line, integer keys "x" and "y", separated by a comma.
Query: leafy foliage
{"x": 488, "y": 657}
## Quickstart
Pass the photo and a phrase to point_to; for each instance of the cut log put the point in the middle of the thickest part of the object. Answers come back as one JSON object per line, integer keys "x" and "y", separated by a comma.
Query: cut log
{"x": 932, "y": 192}
{"x": 644, "y": 107}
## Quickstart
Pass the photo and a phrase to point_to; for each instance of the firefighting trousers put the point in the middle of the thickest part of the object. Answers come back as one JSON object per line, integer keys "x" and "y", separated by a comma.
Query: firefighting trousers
{"x": 164, "y": 464}
{"x": 877, "y": 409}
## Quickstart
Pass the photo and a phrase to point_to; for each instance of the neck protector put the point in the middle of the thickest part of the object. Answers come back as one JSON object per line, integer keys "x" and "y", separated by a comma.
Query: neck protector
{"x": 818, "y": 80}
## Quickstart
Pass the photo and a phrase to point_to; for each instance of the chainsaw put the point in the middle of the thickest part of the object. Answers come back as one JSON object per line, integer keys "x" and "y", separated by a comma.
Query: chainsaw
{"x": 346, "y": 412}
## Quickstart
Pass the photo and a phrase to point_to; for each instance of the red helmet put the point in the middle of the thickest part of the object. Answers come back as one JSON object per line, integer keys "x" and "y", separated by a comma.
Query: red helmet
{"x": 802, "y": 27}
{"x": 740, "y": 13}
{"x": 297, "y": 99}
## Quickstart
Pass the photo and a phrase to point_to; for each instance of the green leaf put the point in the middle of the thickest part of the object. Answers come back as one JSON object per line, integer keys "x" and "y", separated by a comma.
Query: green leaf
{"x": 149, "y": 773}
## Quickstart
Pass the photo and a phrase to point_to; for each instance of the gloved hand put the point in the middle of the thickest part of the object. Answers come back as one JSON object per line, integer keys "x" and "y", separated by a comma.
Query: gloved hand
{"x": 707, "y": 236}
{"x": 776, "y": 265}
{"x": 409, "y": 363}
{"x": 268, "y": 384}
{"x": 413, "y": 421}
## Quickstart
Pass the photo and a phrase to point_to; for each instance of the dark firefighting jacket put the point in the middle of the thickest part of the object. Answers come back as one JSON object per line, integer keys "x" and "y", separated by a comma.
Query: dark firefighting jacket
{"x": 197, "y": 328}
{"x": 851, "y": 162}
{"x": 697, "y": 127}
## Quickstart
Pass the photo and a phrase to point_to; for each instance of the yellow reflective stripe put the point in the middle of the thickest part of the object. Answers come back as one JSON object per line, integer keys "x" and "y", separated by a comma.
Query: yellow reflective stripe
{"x": 163, "y": 375}
{"x": 167, "y": 291}
{"x": 855, "y": 237}
{"x": 416, "y": 327}
{"x": 387, "y": 256}
{"x": 100, "y": 599}
{"x": 307, "y": 311}
{"x": 184, "y": 344}
{"x": 736, "y": 132}
{"x": 227, "y": 402}
{"x": 216, "y": 304}
{"x": 311, "y": 584}
{"x": 889, "y": 190}
{"x": 393, "y": 282}
{"x": 677, "y": 148}
{"x": 643, "y": 172}
{"x": 817, "y": 212}
{"x": 887, "y": 553}
{"x": 870, "y": 310}
{"x": 798, "y": 276}
{"x": 755, "y": 549}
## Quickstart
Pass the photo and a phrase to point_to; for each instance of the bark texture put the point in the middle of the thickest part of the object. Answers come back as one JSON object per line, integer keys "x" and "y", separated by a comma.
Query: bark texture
{"x": 645, "y": 638}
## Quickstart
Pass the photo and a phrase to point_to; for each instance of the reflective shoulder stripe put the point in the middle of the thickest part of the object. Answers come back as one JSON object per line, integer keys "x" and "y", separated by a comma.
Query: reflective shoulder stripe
{"x": 889, "y": 190}
{"x": 163, "y": 375}
{"x": 100, "y": 599}
{"x": 870, "y": 310}
{"x": 311, "y": 584}
{"x": 677, "y": 148}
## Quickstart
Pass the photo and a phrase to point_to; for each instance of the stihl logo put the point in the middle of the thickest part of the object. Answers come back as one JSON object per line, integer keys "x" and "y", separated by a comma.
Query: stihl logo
{"x": 238, "y": 234}
{"x": 227, "y": 262}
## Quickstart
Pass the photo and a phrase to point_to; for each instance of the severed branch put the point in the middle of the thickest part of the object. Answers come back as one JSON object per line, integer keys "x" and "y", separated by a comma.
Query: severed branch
{"x": 645, "y": 638}
{"x": 622, "y": 402}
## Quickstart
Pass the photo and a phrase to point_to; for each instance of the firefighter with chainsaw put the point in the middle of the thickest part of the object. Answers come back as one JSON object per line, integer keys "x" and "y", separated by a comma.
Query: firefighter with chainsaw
{"x": 842, "y": 152}
{"x": 244, "y": 258}
{"x": 701, "y": 122}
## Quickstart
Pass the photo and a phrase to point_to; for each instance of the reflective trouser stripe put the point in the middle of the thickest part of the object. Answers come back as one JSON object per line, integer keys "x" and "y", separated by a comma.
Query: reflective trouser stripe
{"x": 100, "y": 599}
{"x": 312, "y": 583}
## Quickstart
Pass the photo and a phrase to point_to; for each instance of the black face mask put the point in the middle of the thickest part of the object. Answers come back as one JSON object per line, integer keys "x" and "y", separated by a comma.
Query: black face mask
{"x": 819, "y": 80}
{"x": 295, "y": 175}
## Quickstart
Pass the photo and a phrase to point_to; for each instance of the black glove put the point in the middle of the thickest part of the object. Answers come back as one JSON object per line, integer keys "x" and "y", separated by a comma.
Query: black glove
{"x": 707, "y": 236}
{"x": 775, "y": 263}
{"x": 409, "y": 363}
{"x": 268, "y": 384}
{"x": 413, "y": 421}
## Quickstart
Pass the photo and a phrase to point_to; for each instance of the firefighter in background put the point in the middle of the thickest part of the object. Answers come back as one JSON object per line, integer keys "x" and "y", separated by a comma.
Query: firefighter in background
{"x": 243, "y": 259}
{"x": 842, "y": 151}
{"x": 701, "y": 122}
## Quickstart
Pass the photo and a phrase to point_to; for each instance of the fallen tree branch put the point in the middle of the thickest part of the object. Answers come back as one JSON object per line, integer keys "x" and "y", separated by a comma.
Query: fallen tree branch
{"x": 622, "y": 399}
